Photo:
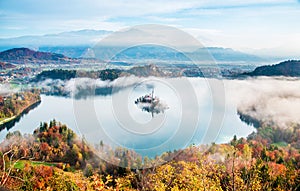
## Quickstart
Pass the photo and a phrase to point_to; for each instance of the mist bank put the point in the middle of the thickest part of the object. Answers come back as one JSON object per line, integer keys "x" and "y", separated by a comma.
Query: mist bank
{"x": 260, "y": 101}
{"x": 84, "y": 87}
{"x": 6, "y": 89}
{"x": 266, "y": 101}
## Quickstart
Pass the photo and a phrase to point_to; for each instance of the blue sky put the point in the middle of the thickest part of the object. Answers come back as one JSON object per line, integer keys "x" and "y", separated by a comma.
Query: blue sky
{"x": 248, "y": 25}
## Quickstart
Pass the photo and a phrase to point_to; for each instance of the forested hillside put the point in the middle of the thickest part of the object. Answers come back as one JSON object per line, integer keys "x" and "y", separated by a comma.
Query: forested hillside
{"x": 55, "y": 158}
{"x": 14, "y": 104}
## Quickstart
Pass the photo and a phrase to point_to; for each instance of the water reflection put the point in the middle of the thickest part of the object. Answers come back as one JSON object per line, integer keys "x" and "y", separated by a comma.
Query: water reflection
{"x": 104, "y": 117}
{"x": 8, "y": 125}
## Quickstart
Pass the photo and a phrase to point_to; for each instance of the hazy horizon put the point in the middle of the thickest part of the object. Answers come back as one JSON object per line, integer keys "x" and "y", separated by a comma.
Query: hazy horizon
{"x": 267, "y": 27}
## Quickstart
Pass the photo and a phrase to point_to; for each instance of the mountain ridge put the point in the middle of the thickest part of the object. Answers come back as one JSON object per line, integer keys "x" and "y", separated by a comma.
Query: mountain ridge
{"x": 74, "y": 43}
{"x": 289, "y": 68}
{"x": 26, "y": 55}
{"x": 5, "y": 65}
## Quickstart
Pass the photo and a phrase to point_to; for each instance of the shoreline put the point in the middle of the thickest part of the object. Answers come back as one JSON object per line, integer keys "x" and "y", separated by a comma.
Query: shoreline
{"x": 6, "y": 120}
{"x": 11, "y": 120}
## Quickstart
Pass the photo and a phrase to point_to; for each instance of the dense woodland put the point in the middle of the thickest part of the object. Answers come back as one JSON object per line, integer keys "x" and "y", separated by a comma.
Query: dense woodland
{"x": 286, "y": 68}
{"x": 106, "y": 74}
{"x": 55, "y": 158}
{"x": 60, "y": 74}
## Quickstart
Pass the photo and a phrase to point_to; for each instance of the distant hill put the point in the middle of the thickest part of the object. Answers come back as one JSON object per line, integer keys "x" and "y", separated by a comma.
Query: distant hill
{"x": 4, "y": 66}
{"x": 228, "y": 54}
{"x": 156, "y": 52}
{"x": 287, "y": 68}
{"x": 70, "y": 51}
{"x": 150, "y": 52}
{"x": 26, "y": 55}
{"x": 147, "y": 70}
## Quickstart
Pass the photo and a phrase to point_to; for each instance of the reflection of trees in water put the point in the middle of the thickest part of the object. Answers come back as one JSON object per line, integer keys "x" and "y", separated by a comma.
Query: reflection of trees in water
{"x": 152, "y": 110}
{"x": 8, "y": 125}
{"x": 84, "y": 92}
{"x": 249, "y": 120}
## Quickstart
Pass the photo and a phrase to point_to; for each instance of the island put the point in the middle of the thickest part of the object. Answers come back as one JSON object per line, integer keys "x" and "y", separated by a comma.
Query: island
{"x": 151, "y": 104}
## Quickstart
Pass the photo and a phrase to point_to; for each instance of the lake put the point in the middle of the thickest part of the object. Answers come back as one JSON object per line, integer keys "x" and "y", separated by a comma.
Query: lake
{"x": 189, "y": 118}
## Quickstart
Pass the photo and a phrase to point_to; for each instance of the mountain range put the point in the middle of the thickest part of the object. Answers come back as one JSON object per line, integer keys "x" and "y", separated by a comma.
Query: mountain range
{"x": 72, "y": 38}
{"x": 144, "y": 53}
{"x": 202, "y": 54}
{"x": 82, "y": 43}
{"x": 26, "y": 55}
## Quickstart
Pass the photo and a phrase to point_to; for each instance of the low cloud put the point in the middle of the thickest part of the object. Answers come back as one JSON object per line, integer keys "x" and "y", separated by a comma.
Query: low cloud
{"x": 6, "y": 89}
{"x": 271, "y": 101}
{"x": 83, "y": 87}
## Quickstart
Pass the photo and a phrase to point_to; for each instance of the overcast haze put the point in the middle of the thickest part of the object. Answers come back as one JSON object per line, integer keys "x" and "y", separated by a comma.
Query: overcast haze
{"x": 260, "y": 27}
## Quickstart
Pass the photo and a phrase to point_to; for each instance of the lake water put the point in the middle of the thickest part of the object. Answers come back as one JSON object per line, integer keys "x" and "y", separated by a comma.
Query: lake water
{"x": 116, "y": 120}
